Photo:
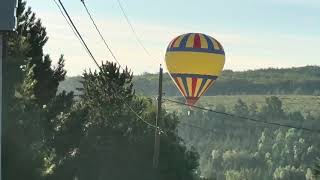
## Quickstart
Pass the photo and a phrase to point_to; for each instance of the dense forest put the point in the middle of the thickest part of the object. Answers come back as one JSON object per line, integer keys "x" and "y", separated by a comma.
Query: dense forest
{"x": 233, "y": 149}
{"x": 80, "y": 128}
{"x": 300, "y": 81}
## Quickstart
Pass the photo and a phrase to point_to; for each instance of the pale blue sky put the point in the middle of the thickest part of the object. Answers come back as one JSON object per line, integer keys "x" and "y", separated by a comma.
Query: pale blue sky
{"x": 254, "y": 33}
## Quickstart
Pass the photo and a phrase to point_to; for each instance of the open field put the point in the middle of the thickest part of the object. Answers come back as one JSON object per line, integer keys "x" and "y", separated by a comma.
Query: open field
{"x": 290, "y": 102}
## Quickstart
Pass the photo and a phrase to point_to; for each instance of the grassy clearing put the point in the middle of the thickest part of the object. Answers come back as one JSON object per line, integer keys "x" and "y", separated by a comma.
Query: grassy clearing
{"x": 291, "y": 103}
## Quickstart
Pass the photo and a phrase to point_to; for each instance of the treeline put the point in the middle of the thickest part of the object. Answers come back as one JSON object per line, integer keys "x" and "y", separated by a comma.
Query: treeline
{"x": 233, "y": 149}
{"x": 47, "y": 135}
{"x": 300, "y": 81}
{"x": 303, "y": 80}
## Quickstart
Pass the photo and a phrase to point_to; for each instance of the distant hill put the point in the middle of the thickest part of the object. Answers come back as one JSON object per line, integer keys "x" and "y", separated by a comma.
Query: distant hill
{"x": 70, "y": 84}
{"x": 299, "y": 80}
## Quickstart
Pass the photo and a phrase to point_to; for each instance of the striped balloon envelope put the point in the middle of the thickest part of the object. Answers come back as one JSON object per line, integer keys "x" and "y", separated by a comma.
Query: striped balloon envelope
{"x": 194, "y": 61}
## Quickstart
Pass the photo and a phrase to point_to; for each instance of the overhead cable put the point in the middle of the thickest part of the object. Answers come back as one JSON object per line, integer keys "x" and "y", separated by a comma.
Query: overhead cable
{"x": 133, "y": 30}
{"x": 100, "y": 34}
{"x": 93, "y": 58}
{"x": 243, "y": 117}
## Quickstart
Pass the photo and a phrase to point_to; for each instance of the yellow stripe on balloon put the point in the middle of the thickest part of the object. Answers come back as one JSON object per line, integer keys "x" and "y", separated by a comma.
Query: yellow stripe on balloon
{"x": 199, "y": 82}
{"x": 204, "y": 43}
{"x": 189, "y": 82}
{"x": 190, "y": 41}
{"x": 215, "y": 44}
{"x": 205, "y": 87}
{"x": 183, "y": 91}
{"x": 195, "y": 63}
{"x": 178, "y": 41}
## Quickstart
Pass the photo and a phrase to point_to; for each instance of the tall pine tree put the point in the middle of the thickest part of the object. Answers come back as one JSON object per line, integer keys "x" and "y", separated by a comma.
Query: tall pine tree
{"x": 32, "y": 102}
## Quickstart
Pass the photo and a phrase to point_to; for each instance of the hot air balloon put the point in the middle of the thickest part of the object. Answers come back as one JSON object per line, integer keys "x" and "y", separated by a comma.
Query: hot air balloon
{"x": 194, "y": 61}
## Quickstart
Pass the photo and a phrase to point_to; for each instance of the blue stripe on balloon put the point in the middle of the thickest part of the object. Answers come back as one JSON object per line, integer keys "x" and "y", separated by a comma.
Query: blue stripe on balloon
{"x": 185, "y": 84}
{"x": 183, "y": 42}
{"x": 185, "y": 49}
{"x": 193, "y": 75}
{"x": 210, "y": 43}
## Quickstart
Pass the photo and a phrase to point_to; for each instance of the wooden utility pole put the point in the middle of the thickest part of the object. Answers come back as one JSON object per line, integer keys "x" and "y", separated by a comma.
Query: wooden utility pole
{"x": 158, "y": 123}
{"x": 3, "y": 90}
{"x": 1, "y": 113}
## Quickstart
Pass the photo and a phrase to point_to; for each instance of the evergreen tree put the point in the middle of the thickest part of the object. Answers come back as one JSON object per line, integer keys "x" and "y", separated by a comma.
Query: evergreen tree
{"x": 26, "y": 47}
{"x": 22, "y": 140}
{"x": 32, "y": 103}
{"x": 103, "y": 139}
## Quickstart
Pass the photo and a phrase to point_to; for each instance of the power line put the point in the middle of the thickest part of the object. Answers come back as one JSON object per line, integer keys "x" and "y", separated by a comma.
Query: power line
{"x": 74, "y": 32}
{"x": 245, "y": 118}
{"x": 74, "y": 27}
{"x": 137, "y": 115}
{"x": 92, "y": 57}
{"x": 115, "y": 58}
{"x": 100, "y": 34}
{"x": 134, "y": 31}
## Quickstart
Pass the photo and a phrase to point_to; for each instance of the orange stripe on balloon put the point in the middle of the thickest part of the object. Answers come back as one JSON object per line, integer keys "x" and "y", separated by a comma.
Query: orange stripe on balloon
{"x": 172, "y": 43}
{"x": 178, "y": 41}
{"x": 180, "y": 85}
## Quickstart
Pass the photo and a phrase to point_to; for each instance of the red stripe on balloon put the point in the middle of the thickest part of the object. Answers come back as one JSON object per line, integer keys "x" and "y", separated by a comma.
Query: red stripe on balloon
{"x": 179, "y": 85}
{"x": 194, "y": 84}
{"x": 197, "y": 41}
{"x": 174, "y": 41}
